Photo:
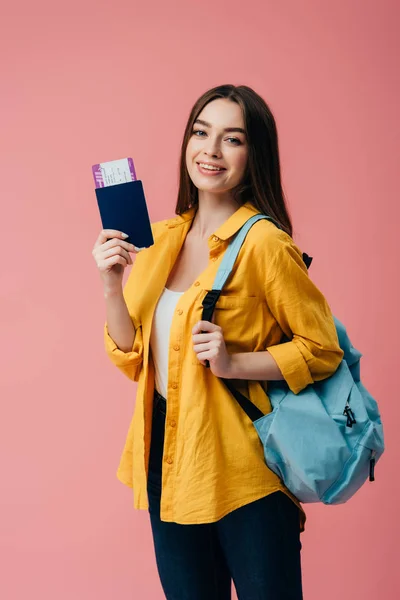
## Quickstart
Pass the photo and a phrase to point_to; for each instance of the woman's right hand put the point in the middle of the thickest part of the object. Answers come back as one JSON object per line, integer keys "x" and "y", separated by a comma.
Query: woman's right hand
{"x": 112, "y": 256}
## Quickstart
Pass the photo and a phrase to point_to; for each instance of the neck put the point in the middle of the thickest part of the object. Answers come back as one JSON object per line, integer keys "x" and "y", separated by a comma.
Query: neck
{"x": 213, "y": 210}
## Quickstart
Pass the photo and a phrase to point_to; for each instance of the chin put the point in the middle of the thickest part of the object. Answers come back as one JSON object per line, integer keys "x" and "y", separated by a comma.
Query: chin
{"x": 217, "y": 189}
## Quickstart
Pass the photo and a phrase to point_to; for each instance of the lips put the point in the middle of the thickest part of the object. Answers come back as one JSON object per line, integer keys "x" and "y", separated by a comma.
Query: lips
{"x": 210, "y": 164}
{"x": 211, "y": 172}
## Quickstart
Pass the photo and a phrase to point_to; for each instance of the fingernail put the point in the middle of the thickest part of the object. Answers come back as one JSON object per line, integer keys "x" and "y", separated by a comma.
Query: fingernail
{"x": 124, "y": 235}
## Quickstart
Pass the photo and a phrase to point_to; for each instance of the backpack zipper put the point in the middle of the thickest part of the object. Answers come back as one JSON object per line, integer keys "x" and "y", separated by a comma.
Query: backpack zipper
{"x": 351, "y": 420}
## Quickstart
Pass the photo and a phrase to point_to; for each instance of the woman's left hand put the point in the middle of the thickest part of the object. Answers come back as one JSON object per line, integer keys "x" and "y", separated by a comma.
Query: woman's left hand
{"x": 210, "y": 345}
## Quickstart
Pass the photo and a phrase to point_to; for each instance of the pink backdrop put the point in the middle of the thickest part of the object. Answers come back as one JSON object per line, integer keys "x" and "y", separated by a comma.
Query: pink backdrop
{"x": 95, "y": 81}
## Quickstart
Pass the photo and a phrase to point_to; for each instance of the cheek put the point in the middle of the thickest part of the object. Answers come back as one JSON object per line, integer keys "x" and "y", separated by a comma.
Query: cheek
{"x": 194, "y": 145}
{"x": 191, "y": 151}
{"x": 188, "y": 155}
{"x": 239, "y": 162}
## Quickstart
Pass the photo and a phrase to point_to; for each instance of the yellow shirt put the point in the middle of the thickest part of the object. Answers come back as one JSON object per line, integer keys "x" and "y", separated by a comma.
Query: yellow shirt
{"x": 213, "y": 459}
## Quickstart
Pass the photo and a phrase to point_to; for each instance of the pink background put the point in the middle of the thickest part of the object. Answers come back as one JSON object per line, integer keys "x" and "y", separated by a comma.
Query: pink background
{"x": 93, "y": 81}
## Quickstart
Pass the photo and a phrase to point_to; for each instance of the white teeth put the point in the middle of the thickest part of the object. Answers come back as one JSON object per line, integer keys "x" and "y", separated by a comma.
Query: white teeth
{"x": 211, "y": 168}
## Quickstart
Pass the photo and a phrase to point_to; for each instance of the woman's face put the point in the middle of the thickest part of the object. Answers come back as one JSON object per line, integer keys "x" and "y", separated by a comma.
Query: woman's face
{"x": 218, "y": 140}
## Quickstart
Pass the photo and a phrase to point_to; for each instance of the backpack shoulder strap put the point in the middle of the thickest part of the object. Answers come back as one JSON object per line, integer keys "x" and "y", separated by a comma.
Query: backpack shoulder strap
{"x": 233, "y": 249}
{"x": 212, "y": 296}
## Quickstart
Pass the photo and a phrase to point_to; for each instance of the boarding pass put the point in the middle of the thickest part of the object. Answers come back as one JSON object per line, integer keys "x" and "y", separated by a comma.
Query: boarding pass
{"x": 114, "y": 172}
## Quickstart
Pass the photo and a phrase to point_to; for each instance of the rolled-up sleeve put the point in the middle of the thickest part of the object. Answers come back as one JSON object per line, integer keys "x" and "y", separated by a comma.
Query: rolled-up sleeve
{"x": 302, "y": 312}
{"x": 130, "y": 363}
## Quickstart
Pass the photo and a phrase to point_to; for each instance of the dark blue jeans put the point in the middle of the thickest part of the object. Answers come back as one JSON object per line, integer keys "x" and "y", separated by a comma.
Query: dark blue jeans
{"x": 257, "y": 545}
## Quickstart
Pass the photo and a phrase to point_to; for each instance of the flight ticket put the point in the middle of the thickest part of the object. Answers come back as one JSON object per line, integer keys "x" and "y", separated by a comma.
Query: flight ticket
{"x": 114, "y": 172}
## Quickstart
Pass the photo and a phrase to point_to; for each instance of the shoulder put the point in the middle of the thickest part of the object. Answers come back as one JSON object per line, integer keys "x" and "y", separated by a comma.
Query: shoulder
{"x": 274, "y": 249}
{"x": 267, "y": 237}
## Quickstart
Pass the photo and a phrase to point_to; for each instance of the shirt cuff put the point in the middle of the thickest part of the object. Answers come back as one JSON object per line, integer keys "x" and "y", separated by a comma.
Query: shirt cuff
{"x": 292, "y": 365}
{"x": 129, "y": 362}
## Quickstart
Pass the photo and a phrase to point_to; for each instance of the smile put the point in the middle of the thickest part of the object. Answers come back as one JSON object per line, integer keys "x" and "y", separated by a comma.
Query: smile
{"x": 209, "y": 169}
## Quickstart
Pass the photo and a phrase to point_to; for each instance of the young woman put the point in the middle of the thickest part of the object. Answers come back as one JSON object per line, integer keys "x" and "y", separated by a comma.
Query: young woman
{"x": 192, "y": 455}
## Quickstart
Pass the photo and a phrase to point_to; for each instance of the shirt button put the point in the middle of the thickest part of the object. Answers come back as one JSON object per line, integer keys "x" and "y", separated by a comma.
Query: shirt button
{"x": 169, "y": 460}
{"x": 215, "y": 238}
{"x": 197, "y": 283}
{"x": 172, "y": 423}
{"x": 177, "y": 347}
{"x": 180, "y": 312}
{"x": 174, "y": 386}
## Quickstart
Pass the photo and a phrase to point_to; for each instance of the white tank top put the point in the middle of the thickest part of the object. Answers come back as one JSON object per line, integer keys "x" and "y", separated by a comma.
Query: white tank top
{"x": 159, "y": 338}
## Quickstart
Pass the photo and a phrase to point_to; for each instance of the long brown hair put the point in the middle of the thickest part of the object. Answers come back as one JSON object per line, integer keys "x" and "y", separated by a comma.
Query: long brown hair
{"x": 261, "y": 184}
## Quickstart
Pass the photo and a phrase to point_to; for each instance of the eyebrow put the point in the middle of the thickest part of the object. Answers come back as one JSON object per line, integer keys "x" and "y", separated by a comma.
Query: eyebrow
{"x": 231, "y": 129}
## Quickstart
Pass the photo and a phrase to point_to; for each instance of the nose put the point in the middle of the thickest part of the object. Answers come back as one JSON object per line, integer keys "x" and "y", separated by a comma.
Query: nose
{"x": 213, "y": 147}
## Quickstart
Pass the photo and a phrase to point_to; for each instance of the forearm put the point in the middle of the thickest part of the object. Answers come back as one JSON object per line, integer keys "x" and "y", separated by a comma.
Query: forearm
{"x": 119, "y": 322}
{"x": 259, "y": 366}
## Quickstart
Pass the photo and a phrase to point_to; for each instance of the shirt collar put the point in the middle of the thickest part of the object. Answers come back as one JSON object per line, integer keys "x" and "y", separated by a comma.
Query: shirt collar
{"x": 227, "y": 229}
{"x": 236, "y": 221}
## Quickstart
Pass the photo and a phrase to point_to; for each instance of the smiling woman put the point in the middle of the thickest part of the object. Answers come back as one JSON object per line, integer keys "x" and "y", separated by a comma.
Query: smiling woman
{"x": 192, "y": 455}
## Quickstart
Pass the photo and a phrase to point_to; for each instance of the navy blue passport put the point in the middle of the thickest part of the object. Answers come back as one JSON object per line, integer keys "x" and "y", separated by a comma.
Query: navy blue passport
{"x": 123, "y": 207}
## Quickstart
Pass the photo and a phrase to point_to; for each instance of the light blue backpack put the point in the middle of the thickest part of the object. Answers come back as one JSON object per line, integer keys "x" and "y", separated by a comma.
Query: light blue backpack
{"x": 323, "y": 442}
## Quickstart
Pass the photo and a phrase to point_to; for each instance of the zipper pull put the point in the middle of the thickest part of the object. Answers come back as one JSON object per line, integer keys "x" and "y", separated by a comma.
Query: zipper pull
{"x": 372, "y": 466}
{"x": 351, "y": 420}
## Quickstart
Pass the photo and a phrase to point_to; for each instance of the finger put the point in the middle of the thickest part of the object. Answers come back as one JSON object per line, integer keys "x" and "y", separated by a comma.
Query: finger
{"x": 201, "y": 347}
{"x": 206, "y": 346}
{"x": 113, "y": 260}
{"x": 106, "y": 234}
{"x": 111, "y": 247}
{"x": 117, "y": 250}
{"x": 204, "y": 326}
{"x": 207, "y": 355}
{"x": 116, "y": 242}
{"x": 202, "y": 338}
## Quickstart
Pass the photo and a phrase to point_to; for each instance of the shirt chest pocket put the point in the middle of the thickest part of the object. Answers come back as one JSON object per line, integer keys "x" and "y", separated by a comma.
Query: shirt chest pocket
{"x": 237, "y": 316}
